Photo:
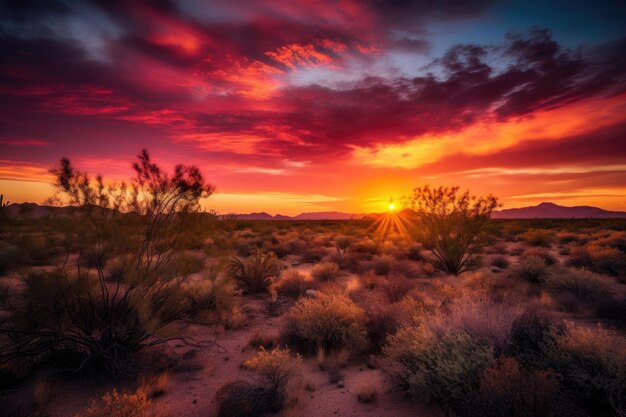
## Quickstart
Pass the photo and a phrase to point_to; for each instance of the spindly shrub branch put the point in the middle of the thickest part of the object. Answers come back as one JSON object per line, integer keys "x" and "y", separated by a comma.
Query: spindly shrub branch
{"x": 449, "y": 224}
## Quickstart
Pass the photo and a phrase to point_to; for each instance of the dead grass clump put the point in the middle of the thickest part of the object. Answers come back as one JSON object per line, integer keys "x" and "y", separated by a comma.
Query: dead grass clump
{"x": 367, "y": 392}
{"x": 532, "y": 269}
{"x": 548, "y": 258}
{"x": 369, "y": 280}
{"x": 382, "y": 264}
{"x": 293, "y": 284}
{"x": 330, "y": 321}
{"x": 539, "y": 237}
{"x": 263, "y": 341}
{"x": 396, "y": 287}
{"x": 325, "y": 271}
{"x": 114, "y": 404}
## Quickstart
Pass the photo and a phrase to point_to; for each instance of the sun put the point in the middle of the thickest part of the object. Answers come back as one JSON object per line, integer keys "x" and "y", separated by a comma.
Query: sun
{"x": 391, "y": 206}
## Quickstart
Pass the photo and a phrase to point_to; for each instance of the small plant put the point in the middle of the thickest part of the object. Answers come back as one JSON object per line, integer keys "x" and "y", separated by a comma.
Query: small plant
{"x": 275, "y": 369}
{"x": 114, "y": 404}
{"x": 256, "y": 273}
{"x": 532, "y": 269}
{"x": 329, "y": 322}
{"x": 449, "y": 224}
{"x": 367, "y": 392}
{"x": 325, "y": 271}
{"x": 266, "y": 392}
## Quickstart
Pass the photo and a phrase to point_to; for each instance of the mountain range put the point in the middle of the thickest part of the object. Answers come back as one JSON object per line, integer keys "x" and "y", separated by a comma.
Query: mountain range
{"x": 541, "y": 211}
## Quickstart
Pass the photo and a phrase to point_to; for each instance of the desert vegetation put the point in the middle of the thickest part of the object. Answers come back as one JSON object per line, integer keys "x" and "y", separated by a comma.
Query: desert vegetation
{"x": 136, "y": 302}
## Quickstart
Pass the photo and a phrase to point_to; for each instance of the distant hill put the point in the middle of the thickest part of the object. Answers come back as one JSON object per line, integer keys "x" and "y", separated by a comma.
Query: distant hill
{"x": 322, "y": 215}
{"x": 554, "y": 211}
{"x": 541, "y": 211}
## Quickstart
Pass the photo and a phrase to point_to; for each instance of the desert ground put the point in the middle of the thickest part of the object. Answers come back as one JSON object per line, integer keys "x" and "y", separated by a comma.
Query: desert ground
{"x": 343, "y": 318}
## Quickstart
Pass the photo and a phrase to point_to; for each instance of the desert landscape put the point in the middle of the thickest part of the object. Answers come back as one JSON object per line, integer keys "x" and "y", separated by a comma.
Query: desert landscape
{"x": 312, "y": 208}
{"x": 147, "y": 306}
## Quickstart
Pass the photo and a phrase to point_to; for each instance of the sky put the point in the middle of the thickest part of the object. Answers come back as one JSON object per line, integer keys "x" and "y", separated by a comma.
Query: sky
{"x": 320, "y": 105}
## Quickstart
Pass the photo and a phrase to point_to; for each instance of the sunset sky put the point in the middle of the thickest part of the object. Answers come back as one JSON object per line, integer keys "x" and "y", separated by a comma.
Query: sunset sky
{"x": 316, "y": 105}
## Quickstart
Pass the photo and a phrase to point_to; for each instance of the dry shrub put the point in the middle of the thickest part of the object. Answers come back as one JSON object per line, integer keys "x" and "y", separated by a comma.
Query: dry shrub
{"x": 293, "y": 284}
{"x": 382, "y": 320}
{"x": 548, "y": 258}
{"x": 603, "y": 260}
{"x": 396, "y": 287}
{"x": 528, "y": 333}
{"x": 330, "y": 321}
{"x": 369, "y": 280}
{"x": 325, "y": 271}
{"x": 216, "y": 298}
{"x": 532, "y": 269}
{"x": 256, "y": 273}
{"x": 367, "y": 392}
{"x": 583, "y": 285}
{"x": 274, "y": 368}
{"x": 263, "y": 341}
{"x": 382, "y": 264}
{"x": 241, "y": 399}
{"x": 114, "y": 404}
{"x": 508, "y": 391}
{"x": 485, "y": 321}
{"x": 591, "y": 366}
{"x": 538, "y": 237}
{"x": 444, "y": 368}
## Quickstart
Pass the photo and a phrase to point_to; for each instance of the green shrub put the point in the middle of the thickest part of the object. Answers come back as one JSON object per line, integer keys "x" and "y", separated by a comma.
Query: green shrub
{"x": 256, "y": 273}
{"x": 591, "y": 366}
{"x": 325, "y": 271}
{"x": 327, "y": 322}
{"x": 445, "y": 368}
{"x": 532, "y": 269}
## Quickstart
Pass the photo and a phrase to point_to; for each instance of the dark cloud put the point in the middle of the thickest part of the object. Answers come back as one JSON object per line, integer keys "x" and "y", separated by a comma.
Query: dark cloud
{"x": 152, "y": 70}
